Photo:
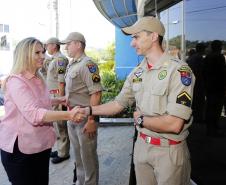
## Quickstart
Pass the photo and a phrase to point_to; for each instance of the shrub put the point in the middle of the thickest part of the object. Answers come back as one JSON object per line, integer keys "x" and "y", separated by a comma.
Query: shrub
{"x": 112, "y": 87}
{"x": 111, "y": 84}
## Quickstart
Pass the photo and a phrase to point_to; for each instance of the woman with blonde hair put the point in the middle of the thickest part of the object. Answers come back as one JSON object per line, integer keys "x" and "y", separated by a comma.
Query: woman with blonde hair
{"x": 26, "y": 131}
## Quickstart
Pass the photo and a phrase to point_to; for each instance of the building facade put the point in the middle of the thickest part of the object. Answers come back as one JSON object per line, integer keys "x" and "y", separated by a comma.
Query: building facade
{"x": 187, "y": 23}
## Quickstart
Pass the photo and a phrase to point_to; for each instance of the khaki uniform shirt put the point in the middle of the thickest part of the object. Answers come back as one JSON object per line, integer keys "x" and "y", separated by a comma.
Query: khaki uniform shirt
{"x": 45, "y": 66}
{"x": 56, "y": 71}
{"x": 82, "y": 80}
{"x": 166, "y": 88}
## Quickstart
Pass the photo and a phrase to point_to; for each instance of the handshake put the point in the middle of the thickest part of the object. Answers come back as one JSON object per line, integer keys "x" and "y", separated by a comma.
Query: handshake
{"x": 78, "y": 114}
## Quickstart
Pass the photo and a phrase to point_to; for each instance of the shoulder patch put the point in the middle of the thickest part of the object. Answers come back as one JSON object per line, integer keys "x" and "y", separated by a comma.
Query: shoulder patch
{"x": 96, "y": 78}
{"x": 184, "y": 98}
{"x": 92, "y": 67}
{"x": 61, "y": 63}
{"x": 61, "y": 71}
{"x": 185, "y": 73}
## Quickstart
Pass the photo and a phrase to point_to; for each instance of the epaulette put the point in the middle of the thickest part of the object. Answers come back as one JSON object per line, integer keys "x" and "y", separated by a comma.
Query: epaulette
{"x": 175, "y": 60}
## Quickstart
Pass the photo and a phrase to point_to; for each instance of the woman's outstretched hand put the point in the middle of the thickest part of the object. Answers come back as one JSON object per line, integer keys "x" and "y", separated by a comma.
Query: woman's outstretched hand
{"x": 77, "y": 114}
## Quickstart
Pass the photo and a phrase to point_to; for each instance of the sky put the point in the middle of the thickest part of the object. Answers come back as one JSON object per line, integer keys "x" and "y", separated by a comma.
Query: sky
{"x": 34, "y": 18}
{"x": 205, "y": 20}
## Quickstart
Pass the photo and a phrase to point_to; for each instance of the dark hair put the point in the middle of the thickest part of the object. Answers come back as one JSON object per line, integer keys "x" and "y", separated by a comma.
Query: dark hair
{"x": 191, "y": 52}
{"x": 58, "y": 47}
{"x": 216, "y": 46}
{"x": 200, "y": 47}
{"x": 160, "y": 40}
{"x": 83, "y": 44}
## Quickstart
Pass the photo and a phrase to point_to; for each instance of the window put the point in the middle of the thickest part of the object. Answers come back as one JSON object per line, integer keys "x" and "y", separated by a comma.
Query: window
{"x": 6, "y": 28}
{"x": 173, "y": 22}
{"x": 1, "y": 27}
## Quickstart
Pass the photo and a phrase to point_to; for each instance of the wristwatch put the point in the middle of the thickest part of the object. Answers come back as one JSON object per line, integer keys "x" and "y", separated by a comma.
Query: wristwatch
{"x": 140, "y": 121}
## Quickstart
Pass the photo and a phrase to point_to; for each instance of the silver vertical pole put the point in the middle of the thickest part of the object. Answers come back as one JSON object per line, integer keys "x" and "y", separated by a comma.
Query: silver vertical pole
{"x": 167, "y": 36}
{"x": 183, "y": 33}
{"x": 57, "y": 18}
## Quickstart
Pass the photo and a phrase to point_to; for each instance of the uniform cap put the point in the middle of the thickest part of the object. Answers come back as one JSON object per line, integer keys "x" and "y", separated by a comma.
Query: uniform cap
{"x": 53, "y": 40}
{"x": 74, "y": 36}
{"x": 148, "y": 23}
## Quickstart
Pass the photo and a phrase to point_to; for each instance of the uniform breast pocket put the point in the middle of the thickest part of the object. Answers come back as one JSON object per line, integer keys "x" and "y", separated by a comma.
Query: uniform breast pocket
{"x": 71, "y": 80}
{"x": 159, "y": 99}
{"x": 136, "y": 87}
{"x": 137, "y": 91}
{"x": 155, "y": 100}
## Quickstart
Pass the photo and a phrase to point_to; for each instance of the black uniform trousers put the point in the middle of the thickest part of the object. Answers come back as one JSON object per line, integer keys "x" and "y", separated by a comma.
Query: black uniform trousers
{"x": 132, "y": 177}
{"x": 26, "y": 169}
{"x": 214, "y": 105}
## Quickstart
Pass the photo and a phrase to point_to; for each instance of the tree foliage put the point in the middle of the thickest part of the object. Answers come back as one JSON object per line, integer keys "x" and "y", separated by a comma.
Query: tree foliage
{"x": 111, "y": 84}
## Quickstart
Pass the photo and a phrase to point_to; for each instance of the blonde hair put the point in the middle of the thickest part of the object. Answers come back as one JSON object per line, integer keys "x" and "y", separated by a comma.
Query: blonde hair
{"x": 23, "y": 57}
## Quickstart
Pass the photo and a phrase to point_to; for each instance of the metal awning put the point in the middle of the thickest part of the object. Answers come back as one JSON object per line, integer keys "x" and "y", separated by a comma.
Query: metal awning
{"x": 124, "y": 13}
{"x": 121, "y": 13}
{"x": 149, "y": 7}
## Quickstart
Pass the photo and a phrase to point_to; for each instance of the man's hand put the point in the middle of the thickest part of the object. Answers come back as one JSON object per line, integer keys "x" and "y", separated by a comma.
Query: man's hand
{"x": 136, "y": 114}
{"x": 84, "y": 110}
{"x": 76, "y": 115}
{"x": 90, "y": 128}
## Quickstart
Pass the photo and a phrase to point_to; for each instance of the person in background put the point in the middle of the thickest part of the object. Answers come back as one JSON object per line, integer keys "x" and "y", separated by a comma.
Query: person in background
{"x": 56, "y": 83}
{"x": 83, "y": 88}
{"x": 191, "y": 52}
{"x": 26, "y": 131}
{"x": 215, "y": 86}
{"x": 162, "y": 87}
{"x": 45, "y": 65}
{"x": 195, "y": 62}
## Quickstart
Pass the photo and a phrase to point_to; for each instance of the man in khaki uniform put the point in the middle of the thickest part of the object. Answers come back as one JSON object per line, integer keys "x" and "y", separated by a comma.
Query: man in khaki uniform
{"x": 56, "y": 84}
{"x": 83, "y": 88}
{"x": 45, "y": 66}
{"x": 162, "y": 88}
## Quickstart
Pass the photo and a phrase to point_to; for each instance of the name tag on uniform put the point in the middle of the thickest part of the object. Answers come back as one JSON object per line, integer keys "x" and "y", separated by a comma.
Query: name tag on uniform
{"x": 136, "y": 80}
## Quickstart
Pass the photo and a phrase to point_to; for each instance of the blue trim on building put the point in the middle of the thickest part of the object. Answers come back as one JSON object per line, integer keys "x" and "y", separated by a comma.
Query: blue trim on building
{"x": 125, "y": 55}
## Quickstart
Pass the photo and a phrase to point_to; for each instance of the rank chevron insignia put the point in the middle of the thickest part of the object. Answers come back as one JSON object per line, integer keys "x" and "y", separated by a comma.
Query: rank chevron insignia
{"x": 184, "y": 98}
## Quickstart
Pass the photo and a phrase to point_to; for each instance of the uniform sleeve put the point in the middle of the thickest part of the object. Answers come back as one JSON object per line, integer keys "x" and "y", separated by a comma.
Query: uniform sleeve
{"x": 61, "y": 69}
{"x": 46, "y": 64}
{"x": 27, "y": 104}
{"x": 126, "y": 97}
{"x": 90, "y": 75}
{"x": 181, "y": 92}
{"x": 44, "y": 68}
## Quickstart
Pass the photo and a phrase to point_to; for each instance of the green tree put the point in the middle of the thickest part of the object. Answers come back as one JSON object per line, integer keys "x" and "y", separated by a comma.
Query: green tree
{"x": 111, "y": 84}
{"x": 175, "y": 41}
